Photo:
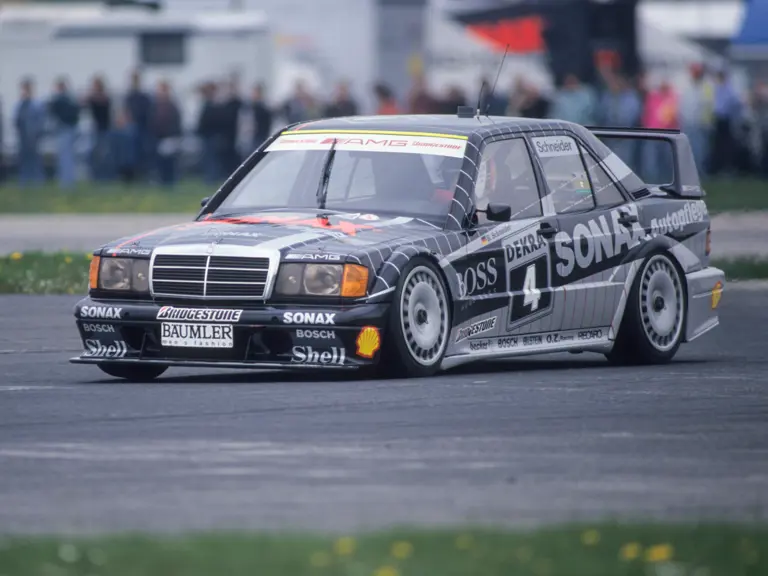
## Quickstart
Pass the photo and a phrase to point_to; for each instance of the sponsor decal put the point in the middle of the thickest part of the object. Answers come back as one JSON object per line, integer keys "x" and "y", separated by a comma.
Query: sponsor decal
{"x": 316, "y": 334}
{"x": 477, "y": 278}
{"x": 476, "y": 328}
{"x": 198, "y": 314}
{"x": 309, "y": 318}
{"x": 557, "y": 337}
{"x": 506, "y": 342}
{"x": 524, "y": 247}
{"x": 596, "y": 240}
{"x": 343, "y": 226}
{"x": 717, "y": 293}
{"x": 479, "y": 345}
{"x": 309, "y": 355}
{"x": 322, "y": 257}
{"x": 98, "y": 328}
{"x": 97, "y": 349}
{"x": 549, "y": 146}
{"x": 691, "y": 213}
{"x": 590, "y": 334}
{"x": 534, "y": 340}
{"x": 131, "y": 251}
{"x": 238, "y": 234}
{"x": 368, "y": 342}
{"x": 101, "y": 312}
{"x": 176, "y": 335}
{"x": 413, "y": 144}
{"x": 369, "y": 217}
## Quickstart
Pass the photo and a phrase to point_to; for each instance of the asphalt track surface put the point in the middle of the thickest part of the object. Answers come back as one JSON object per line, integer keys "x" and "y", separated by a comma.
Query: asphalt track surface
{"x": 551, "y": 439}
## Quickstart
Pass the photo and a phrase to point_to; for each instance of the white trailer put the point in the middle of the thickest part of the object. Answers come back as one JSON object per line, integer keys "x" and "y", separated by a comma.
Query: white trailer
{"x": 46, "y": 41}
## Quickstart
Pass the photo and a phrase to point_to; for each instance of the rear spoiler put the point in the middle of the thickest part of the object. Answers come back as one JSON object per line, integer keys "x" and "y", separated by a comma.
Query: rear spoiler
{"x": 686, "y": 183}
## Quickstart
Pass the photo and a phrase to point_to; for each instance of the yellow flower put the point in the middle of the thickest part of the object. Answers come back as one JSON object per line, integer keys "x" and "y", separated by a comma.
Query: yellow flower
{"x": 630, "y": 551}
{"x": 17, "y": 256}
{"x": 590, "y": 537}
{"x": 344, "y": 546}
{"x": 402, "y": 550}
{"x": 89, "y": 257}
{"x": 320, "y": 559}
{"x": 68, "y": 259}
{"x": 659, "y": 553}
{"x": 386, "y": 571}
{"x": 464, "y": 541}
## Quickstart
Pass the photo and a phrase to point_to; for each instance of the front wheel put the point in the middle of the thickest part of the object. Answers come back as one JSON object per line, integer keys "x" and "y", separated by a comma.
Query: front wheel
{"x": 654, "y": 318}
{"x": 133, "y": 372}
{"x": 419, "y": 322}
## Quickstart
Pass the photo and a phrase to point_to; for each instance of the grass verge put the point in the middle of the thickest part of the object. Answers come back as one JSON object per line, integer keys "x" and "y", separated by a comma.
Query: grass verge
{"x": 722, "y": 195}
{"x": 604, "y": 550}
{"x": 67, "y": 273}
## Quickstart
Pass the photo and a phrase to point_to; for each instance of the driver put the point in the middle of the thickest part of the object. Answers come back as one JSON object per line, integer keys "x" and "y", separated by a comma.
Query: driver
{"x": 503, "y": 172}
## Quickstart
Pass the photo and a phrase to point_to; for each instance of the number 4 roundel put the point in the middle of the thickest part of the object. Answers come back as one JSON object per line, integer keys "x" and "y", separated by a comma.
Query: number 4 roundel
{"x": 530, "y": 295}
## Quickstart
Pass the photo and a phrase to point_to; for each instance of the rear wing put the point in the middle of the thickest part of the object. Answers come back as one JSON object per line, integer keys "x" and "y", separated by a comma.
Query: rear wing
{"x": 660, "y": 158}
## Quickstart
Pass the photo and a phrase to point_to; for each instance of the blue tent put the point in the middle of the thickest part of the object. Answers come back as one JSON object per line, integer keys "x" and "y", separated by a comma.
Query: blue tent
{"x": 752, "y": 40}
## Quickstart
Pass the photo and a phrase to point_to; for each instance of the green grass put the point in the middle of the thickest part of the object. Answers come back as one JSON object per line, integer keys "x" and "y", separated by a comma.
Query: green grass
{"x": 605, "y": 550}
{"x": 67, "y": 273}
{"x": 722, "y": 195}
{"x": 104, "y": 198}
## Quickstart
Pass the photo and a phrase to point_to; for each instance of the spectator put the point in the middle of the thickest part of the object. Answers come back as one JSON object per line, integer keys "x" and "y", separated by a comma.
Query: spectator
{"x": 420, "y": 101}
{"x": 660, "y": 111}
{"x": 454, "y": 98}
{"x": 760, "y": 109}
{"x": 138, "y": 105}
{"x": 230, "y": 124}
{"x": 300, "y": 107}
{"x": 262, "y": 117}
{"x": 29, "y": 119}
{"x": 209, "y": 133}
{"x": 696, "y": 107}
{"x": 491, "y": 103}
{"x": 100, "y": 105}
{"x": 387, "y": 104}
{"x": 165, "y": 127}
{"x": 343, "y": 104}
{"x": 124, "y": 146}
{"x": 65, "y": 112}
{"x": 532, "y": 104}
{"x": 726, "y": 111}
{"x": 574, "y": 102}
{"x": 2, "y": 159}
{"x": 621, "y": 107}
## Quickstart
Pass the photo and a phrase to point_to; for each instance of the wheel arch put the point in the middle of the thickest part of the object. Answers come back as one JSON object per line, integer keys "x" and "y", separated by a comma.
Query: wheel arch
{"x": 390, "y": 273}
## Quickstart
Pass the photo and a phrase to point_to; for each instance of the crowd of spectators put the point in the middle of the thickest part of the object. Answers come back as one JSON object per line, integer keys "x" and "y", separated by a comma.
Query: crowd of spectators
{"x": 137, "y": 137}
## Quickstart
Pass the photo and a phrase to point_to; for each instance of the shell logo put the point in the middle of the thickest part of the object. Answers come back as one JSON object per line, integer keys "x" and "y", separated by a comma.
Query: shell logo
{"x": 368, "y": 342}
{"x": 717, "y": 293}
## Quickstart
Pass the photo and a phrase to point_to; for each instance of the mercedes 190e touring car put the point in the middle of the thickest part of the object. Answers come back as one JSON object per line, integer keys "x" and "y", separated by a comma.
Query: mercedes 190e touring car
{"x": 414, "y": 243}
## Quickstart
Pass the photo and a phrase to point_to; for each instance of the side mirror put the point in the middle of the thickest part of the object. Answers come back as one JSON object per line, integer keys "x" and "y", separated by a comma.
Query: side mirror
{"x": 498, "y": 212}
{"x": 204, "y": 201}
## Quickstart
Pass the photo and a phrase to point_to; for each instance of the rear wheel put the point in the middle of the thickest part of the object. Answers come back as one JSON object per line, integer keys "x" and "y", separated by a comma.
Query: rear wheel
{"x": 133, "y": 372}
{"x": 419, "y": 323}
{"x": 654, "y": 318}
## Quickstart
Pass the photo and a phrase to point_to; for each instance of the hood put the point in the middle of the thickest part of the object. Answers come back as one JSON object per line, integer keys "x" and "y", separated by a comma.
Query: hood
{"x": 304, "y": 232}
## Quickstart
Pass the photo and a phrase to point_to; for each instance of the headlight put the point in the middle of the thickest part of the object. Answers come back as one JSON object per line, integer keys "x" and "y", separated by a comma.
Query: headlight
{"x": 124, "y": 274}
{"x": 349, "y": 280}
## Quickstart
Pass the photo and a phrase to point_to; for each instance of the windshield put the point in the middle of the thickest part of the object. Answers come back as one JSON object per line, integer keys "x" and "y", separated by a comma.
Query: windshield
{"x": 378, "y": 173}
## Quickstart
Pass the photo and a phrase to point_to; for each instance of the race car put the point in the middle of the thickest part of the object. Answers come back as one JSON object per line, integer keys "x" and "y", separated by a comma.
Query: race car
{"x": 410, "y": 244}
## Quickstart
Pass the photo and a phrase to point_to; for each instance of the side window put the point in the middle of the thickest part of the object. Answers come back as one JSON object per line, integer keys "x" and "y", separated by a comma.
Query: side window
{"x": 605, "y": 189}
{"x": 565, "y": 174}
{"x": 506, "y": 176}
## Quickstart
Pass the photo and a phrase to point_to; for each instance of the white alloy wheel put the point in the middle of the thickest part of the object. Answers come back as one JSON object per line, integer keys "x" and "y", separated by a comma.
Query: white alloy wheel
{"x": 661, "y": 301}
{"x": 424, "y": 316}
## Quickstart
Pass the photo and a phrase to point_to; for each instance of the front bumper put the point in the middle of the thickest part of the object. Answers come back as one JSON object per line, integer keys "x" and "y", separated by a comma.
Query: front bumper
{"x": 130, "y": 332}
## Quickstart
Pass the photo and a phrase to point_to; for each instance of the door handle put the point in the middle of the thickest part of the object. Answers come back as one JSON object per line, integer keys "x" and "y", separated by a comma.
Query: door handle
{"x": 546, "y": 230}
{"x": 627, "y": 219}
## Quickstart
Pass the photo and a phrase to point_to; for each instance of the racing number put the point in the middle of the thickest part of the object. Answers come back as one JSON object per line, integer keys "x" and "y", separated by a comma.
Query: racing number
{"x": 529, "y": 287}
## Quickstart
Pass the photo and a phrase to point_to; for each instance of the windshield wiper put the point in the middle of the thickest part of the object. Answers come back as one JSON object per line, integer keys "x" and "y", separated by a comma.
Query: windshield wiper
{"x": 322, "y": 189}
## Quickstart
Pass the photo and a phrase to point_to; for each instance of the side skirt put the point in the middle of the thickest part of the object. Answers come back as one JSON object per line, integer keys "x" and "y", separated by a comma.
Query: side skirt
{"x": 586, "y": 340}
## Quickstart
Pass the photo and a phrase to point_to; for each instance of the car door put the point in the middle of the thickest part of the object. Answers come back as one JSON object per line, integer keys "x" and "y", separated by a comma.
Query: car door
{"x": 596, "y": 229}
{"x": 507, "y": 267}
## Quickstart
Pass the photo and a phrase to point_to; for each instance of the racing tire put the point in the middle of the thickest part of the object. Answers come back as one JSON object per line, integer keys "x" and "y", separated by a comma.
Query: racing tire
{"x": 419, "y": 324}
{"x": 653, "y": 325}
{"x": 133, "y": 372}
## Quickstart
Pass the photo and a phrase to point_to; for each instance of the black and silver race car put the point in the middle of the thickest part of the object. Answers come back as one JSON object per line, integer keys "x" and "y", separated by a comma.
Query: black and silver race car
{"x": 411, "y": 244}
